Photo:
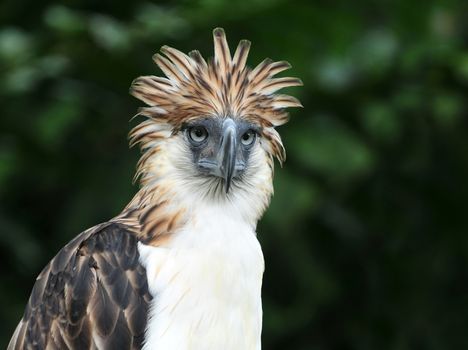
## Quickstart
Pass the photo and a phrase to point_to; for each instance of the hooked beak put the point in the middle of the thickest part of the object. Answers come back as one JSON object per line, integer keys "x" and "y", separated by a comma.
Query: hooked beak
{"x": 228, "y": 152}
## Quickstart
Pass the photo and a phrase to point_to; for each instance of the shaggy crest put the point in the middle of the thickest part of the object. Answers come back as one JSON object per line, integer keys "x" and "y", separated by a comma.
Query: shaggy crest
{"x": 223, "y": 86}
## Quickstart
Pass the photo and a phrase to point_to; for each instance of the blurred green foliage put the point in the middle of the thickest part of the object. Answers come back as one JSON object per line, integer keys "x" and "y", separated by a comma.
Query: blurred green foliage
{"x": 366, "y": 241}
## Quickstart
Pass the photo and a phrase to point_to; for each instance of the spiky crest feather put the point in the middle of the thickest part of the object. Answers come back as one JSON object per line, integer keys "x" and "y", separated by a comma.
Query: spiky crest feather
{"x": 224, "y": 86}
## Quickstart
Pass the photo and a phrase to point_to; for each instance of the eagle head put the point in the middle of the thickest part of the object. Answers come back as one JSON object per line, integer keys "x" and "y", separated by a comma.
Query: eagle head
{"x": 210, "y": 126}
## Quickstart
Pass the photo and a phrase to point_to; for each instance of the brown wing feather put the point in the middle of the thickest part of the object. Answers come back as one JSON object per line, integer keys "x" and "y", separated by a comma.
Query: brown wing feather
{"x": 93, "y": 294}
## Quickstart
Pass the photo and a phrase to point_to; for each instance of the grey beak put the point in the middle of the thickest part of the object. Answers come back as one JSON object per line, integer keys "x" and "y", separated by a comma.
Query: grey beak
{"x": 228, "y": 152}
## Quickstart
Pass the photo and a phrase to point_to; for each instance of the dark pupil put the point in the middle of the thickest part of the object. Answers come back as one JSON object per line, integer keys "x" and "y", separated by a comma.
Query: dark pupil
{"x": 246, "y": 136}
{"x": 198, "y": 132}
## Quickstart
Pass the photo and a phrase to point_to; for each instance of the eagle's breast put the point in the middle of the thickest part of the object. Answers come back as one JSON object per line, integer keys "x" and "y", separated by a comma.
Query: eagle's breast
{"x": 207, "y": 285}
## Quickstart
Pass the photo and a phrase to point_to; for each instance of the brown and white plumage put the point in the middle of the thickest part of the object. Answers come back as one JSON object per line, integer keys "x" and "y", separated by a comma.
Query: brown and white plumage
{"x": 180, "y": 267}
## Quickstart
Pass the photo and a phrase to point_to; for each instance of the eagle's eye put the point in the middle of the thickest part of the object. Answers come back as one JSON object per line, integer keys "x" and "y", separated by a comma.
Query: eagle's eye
{"x": 248, "y": 138}
{"x": 197, "y": 134}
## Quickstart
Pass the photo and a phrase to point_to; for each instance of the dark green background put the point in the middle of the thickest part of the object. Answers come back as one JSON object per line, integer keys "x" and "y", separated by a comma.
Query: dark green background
{"x": 366, "y": 241}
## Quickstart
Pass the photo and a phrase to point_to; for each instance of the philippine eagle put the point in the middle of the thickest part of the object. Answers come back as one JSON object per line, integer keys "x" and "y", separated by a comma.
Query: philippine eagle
{"x": 180, "y": 267}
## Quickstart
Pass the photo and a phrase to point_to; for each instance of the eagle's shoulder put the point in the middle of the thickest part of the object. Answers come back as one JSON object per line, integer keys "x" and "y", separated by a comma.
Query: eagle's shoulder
{"x": 93, "y": 293}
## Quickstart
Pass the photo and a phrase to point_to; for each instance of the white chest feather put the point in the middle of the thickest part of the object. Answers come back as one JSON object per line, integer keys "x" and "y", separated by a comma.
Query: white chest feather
{"x": 206, "y": 286}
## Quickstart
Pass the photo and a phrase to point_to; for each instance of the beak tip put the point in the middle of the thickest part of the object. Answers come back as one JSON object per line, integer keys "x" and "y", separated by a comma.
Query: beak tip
{"x": 227, "y": 185}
